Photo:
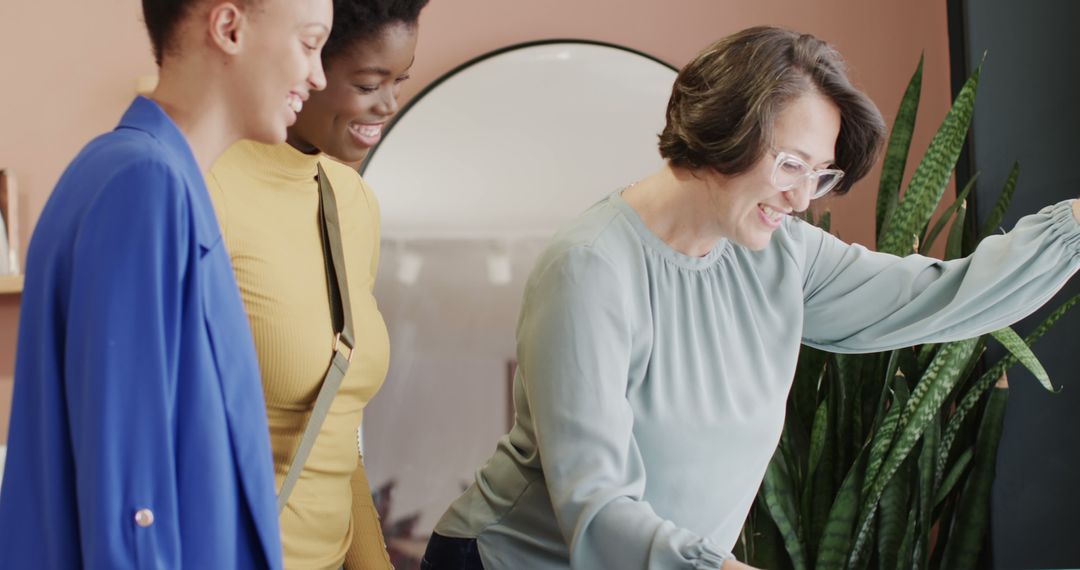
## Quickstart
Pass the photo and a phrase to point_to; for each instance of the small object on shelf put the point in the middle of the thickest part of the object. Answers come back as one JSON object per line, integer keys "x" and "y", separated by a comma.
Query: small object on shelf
{"x": 11, "y": 284}
{"x": 9, "y": 223}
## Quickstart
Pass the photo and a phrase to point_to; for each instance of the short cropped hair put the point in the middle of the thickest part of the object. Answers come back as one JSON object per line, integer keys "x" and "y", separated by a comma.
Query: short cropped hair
{"x": 357, "y": 21}
{"x": 163, "y": 18}
{"x": 724, "y": 103}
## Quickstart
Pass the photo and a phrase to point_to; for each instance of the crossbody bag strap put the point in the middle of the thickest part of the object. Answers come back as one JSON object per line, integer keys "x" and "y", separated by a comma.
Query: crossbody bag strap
{"x": 341, "y": 318}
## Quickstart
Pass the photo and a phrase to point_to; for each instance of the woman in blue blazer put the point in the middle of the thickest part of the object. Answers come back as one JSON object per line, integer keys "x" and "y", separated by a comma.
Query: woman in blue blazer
{"x": 138, "y": 435}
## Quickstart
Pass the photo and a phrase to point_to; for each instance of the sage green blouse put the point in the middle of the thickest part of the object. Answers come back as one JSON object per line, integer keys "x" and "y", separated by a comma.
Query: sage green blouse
{"x": 651, "y": 386}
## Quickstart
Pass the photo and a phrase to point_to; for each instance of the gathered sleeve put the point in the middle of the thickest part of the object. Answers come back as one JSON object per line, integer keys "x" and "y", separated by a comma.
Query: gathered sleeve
{"x": 121, "y": 349}
{"x": 574, "y": 349}
{"x": 857, "y": 300}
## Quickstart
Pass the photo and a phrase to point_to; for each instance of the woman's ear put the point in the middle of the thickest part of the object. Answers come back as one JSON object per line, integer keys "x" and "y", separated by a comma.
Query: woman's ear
{"x": 227, "y": 21}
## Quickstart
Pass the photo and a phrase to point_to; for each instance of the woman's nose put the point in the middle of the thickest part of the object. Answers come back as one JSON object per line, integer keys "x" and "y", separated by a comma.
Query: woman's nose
{"x": 799, "y": 195}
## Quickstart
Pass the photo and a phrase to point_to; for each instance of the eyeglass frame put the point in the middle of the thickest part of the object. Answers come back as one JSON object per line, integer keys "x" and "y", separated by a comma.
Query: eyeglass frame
{"x": 782, "y": 156}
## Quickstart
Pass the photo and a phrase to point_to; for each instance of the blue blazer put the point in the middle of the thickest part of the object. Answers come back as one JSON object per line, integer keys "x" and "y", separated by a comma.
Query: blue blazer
{"x": 138, "y": 432}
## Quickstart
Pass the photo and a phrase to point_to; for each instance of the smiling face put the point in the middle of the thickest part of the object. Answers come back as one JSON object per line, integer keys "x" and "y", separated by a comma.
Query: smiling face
{"x": 749, "y": 206}
{"x": 363, "y": 83}
{"x": 279, "y": 66}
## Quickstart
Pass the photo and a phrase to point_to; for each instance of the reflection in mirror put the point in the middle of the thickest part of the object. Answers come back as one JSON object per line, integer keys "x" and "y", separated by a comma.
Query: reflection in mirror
{"x": 473, "y": 178}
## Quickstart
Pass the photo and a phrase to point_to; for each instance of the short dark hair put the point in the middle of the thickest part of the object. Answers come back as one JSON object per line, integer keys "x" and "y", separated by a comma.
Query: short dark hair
{"x": 724, "y": 103}
{"x": 163, "y": 18}
{"x": 357, "y": 21}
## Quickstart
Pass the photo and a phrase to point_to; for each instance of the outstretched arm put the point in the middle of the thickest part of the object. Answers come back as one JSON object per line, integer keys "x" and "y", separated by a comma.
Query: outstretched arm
{"x": 857, "y": 300}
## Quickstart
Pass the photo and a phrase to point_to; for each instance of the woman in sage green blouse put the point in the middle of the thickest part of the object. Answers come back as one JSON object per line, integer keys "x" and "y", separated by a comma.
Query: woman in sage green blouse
{"x": 659, "y": 332}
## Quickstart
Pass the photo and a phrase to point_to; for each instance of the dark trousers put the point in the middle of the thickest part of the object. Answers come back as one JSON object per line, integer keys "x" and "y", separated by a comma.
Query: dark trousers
{"x": 445, "y": 553}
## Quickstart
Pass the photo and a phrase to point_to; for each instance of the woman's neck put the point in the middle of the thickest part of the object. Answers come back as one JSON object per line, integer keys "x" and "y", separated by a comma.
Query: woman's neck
{"x": 673, "y": 203}
{"x": 199, "y": 111}
{"x": 299, "y": 143}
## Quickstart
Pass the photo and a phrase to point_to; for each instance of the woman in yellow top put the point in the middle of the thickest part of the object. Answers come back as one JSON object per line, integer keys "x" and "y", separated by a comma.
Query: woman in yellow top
{"x": 267, "y": 202}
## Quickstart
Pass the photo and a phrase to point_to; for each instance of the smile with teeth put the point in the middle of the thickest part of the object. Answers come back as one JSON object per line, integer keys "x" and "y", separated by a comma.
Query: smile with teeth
{"x": 772, "y": 214}
{"x": 295, "y": 102}
{"x": 366, "y": 130}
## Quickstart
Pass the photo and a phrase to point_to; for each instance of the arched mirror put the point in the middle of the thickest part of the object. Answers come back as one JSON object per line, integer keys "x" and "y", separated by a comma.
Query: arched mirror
{"x": 473, "y": 177}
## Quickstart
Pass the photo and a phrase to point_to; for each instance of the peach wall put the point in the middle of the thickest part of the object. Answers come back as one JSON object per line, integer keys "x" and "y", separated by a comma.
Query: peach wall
{"x": 69, "y": 69}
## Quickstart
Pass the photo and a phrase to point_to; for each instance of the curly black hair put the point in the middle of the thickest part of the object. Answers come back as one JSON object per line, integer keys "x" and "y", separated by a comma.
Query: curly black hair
{"x": 356, "y": 21}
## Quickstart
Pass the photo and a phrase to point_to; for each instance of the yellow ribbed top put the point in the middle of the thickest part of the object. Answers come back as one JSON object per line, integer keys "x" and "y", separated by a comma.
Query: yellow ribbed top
{"x": 267, "y": 202}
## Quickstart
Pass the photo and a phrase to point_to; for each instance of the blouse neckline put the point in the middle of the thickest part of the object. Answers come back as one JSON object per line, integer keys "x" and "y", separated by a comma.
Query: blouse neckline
{"x": 658, "y": 245}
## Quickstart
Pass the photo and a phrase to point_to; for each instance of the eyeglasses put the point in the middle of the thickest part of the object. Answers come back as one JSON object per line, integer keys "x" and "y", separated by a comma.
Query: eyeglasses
{"x": 790, "y": 171}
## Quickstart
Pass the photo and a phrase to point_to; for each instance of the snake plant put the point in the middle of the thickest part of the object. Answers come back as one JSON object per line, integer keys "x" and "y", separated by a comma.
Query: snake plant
{"x": 886, "y": 460}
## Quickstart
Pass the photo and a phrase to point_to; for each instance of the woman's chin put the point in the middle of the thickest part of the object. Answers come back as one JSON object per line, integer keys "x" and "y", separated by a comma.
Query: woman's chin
{"x": 269, "y": 137}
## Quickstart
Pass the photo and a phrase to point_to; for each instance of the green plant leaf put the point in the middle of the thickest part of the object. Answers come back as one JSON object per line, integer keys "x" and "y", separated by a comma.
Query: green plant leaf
{"x": 779, "y": 495}
{"x": 951, "y": 359}
{"x": 993, "y": 221}
{"x": 893, "y": 517}
{"x": 819, "y": 490}
{"x": 954, "y": 475}
{"x": 973, "y": 515}
{"x": 865, "y": 393}
{"x": 762, "y": 545}
{"x": 955, "y": 244}
{"x": 825, "y": 221}
{"x": 927, "y": 453}
{"x": 818, "y": 436}
{"x": 896, "y": 153}
{"x": 836, "y": 538}
{"x": 930, "y": 179}
{"x": 974, "y": 394}
{"x": 1018, "y": 348}
{"x": 922, "y": 408}
{"x": 835, "y": 391}
{"x": 885, "y": 434}
{"x": 844, "y": 388}
{"x": 925, "y": 353}
{"x": 948, "y": 214}
{"x": 891, "y": 377}
{"x": 803, "y": 398}
{"x": 944, "y": 525}
{"x": 820, "y": 499}
{"x": 906, "y": 551}
{"x": 909, "y": 363}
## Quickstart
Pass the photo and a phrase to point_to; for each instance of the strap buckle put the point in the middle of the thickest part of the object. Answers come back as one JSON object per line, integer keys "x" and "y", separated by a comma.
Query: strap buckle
{"x": 338, "y": 344}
